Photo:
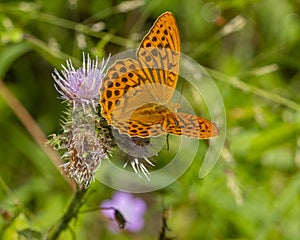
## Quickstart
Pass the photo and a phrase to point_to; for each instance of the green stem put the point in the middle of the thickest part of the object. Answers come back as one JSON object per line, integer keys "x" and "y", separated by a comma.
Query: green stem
{"x": 71, "y": 212}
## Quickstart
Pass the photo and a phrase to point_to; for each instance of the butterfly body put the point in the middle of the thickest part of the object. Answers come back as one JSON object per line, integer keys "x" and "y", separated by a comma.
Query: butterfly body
{"x": 136, "y": 94}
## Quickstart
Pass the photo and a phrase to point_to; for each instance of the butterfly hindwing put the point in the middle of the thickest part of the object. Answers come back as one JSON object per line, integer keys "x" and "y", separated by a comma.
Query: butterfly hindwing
{"x": 135, "y": 128}
{"x": 189, "y": 125}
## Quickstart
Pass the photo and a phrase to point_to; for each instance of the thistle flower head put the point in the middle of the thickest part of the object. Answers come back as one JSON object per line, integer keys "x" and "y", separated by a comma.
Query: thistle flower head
{"x": 139, "y": 151}
{"x": 139, "y": 166}
{"x": 80, "y": 85}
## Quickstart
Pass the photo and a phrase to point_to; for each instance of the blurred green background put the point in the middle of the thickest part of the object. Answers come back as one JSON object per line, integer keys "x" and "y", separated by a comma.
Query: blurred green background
{"x": 250, "y": 48}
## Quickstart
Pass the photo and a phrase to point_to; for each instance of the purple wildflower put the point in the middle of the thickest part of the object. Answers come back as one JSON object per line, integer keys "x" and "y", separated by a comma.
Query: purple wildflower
{"x": 81, "y": 85}
{"x": 131, "y": 208}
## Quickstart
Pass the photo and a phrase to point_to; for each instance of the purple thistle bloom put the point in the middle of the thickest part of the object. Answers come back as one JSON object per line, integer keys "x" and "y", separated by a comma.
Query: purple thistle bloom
{"x": 131, "y": 208}
{"x": 81, "y": 85}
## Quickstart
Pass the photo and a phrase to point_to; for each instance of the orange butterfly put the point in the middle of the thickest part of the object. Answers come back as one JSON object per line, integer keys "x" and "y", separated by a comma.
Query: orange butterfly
{"x": 136, "y": 94}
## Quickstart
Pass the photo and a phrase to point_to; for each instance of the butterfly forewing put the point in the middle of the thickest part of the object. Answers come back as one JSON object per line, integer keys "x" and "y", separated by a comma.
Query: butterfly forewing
{"x": 159, "y": 52}
{"x": 120, "y": 78}
{"x": 165, "y": 30}
{"x": 157, "y": 64}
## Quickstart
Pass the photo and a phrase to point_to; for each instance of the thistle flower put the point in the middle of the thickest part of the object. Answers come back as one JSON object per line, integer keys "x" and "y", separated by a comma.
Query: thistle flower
{"x": 84, "y": 148}
{"x": 139, "y": 151}
{"x": 131, "y": 209}
{"x": 80, "y": 86}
